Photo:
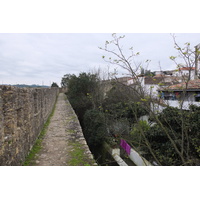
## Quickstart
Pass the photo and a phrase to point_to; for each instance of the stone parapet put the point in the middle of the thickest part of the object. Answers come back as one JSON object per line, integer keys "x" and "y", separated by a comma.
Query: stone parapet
{"x": 23, "y": 112}
{"x": 76, "y": 134}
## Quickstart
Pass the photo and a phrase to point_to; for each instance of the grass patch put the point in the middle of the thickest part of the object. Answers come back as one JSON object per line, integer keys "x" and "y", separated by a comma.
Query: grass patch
{"x": 31, "y": 158}
{"x": 77, "y": 156}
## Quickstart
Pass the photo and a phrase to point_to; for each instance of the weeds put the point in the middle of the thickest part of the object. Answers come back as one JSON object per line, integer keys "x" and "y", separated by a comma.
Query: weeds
{"x": 77, "y": 156}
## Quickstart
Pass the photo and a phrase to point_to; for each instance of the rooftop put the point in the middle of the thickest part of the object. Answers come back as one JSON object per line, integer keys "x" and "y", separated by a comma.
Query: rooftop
{"x": 193, "y": 84}
{"x": 164, "y": 80}
{"x": 153, "y": 80}
{"x": 187, "y": 68}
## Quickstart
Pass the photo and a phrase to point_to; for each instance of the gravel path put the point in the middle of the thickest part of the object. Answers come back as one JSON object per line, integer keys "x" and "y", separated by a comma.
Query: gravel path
{"x": 63, "y": 128}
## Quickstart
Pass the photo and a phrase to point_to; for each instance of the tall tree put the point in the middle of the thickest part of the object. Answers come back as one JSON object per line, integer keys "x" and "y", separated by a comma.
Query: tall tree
{"x": 54, "y": 84}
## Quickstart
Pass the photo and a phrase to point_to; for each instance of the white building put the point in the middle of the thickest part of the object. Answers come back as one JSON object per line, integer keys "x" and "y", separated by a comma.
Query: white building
{"x": 185, "y": 72}
{"x": 180, "y": 93}
{"x": 151, "y": 85}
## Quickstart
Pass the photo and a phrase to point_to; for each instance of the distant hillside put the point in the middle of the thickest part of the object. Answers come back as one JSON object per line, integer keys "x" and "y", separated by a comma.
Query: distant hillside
{"x": 31, "y": 86}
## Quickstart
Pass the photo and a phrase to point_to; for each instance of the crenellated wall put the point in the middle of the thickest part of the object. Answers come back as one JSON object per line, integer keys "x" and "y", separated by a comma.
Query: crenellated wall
{"x": 23, "y": 112}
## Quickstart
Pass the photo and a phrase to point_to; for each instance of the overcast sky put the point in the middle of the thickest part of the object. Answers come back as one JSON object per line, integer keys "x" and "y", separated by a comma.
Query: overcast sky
{"x": 39, "y": 58}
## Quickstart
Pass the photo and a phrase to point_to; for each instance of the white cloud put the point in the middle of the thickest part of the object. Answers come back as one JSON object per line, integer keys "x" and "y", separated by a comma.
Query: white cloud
{"x": 37, "y": 58}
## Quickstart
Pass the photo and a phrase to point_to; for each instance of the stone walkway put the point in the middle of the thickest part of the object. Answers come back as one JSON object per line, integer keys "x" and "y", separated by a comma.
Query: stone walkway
{"x": 63, "y": 132}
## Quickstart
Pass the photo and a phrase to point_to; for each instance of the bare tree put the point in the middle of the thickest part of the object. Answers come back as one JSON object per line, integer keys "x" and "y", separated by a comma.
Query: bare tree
{"x": 128, "y": 63}
{"x": 188, "y": 56}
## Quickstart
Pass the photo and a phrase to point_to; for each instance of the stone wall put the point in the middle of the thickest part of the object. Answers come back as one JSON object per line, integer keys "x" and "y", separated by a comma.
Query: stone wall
{"x": 75, "y": 133}
{"x": 23, "y": 112}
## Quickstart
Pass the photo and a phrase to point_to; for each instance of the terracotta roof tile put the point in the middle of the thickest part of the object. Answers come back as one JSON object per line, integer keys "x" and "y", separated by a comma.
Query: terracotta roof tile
{"x": 187, "y": 68}
{"x": 193, "y": 84}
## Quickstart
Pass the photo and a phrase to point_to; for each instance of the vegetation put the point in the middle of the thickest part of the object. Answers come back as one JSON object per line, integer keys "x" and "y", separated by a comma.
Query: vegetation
{"x": 102, "y": 117}
{"x": 77, "y": 156}
{"x": 82, "y": 92}
{"x": 147, "y": 72}
{"x": 160, "y": 142}
{"x": 54, "y": 85}
{"x": 175, "y": 137}
{"x": 117, "y": 116}
{"x": 171, "y": 138}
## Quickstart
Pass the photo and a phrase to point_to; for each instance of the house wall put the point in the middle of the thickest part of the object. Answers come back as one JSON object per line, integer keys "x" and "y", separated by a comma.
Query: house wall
{"x": 151, "y": 90}
{"x": 23, "y": 112}
{"x": 130, "y": 82}
{"x": 186, "y": 104}
{"x": 181, "y": 73}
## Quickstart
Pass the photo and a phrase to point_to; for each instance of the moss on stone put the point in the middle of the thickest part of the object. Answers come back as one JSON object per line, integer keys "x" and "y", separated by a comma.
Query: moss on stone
{"x": 78, "y": 157}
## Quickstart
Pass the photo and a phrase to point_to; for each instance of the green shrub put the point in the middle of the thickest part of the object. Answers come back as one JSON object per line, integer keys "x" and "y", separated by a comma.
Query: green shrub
{"x": 95, "y": 127}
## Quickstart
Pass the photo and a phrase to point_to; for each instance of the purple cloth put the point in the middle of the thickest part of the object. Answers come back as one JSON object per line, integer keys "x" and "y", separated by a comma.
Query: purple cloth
{"x": 128, "y": 149}
{"x": 125, "y": 146}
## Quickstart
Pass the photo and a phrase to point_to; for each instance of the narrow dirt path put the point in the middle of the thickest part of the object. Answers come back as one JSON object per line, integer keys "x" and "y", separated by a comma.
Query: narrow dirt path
{"x": 63, "y": 129}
